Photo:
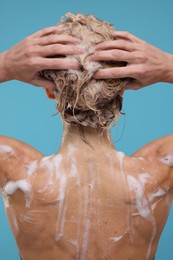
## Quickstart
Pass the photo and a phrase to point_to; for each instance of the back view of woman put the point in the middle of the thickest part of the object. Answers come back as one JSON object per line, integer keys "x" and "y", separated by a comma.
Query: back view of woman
{"x": 88, "y": 201}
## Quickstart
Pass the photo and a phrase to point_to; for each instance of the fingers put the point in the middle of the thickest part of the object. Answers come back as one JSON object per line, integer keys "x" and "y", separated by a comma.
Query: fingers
{"x": 116, "y": 44}
{"x": 125, "y": 35}
{"x": 53, "y": 38}
{"x": 47, "y": 31}
{"x": 114, "y": 73}
{"x": 49, "y": 36}
{"x": 59, "y": 49}
{"x": 59, "y": 64}
{"x": 116, "y": 55}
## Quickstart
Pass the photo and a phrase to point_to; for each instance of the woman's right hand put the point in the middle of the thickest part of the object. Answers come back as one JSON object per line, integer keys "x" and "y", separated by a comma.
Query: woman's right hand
{"x": 38, "y": 52}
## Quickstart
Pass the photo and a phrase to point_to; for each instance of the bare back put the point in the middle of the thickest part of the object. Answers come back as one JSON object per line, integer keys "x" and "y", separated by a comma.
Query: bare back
{"x": 80, "y": 205}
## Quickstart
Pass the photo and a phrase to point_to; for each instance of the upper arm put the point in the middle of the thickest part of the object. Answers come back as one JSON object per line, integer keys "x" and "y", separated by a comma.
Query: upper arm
{"x": 13, "y": 155}
{"x": 160, "y": 154}
{"x": 158, "y": 148}
{"x": 164, "y": 155}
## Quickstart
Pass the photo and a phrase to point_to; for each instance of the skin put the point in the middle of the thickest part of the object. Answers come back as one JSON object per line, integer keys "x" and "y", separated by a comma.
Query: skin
{"x": 84, "y": 202}
{"x": 39, "y": 52}
{"x": 97, "y": 197}
{"x": 146, "y": 64}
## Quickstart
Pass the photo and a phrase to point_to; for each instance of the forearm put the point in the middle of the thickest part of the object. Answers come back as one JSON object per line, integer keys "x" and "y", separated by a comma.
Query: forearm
{"x": 168, "y": 77}
{"x": 3, "y": 72}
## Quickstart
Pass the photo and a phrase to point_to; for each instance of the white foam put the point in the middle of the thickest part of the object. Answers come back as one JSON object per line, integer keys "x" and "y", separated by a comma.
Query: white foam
{"x": 75, "y": 174}
{"x": 92, "y": 66}
{"x": 91, "y": 174}
{"x": 53, "y": 168}
{"x": 137, "y": 158}
{"x": 12, "y": 186}
{"x": 121, "y": 157}
{"x": 86, "y": 219}
{"x": 73, "y": 164}
{"x": 138, "y": 186}
{"x": 154, "y": 231}
{"x": 85, "y": 240}
{"x": 167, "y": 160}
{"x": 159, "y": 194}
{"x": 46, "y": 163}
{"x": 129, "y": 220}
{"x": 12, "y": 214}
{"x": 87, "y": 208}
{"x": 31, "y": 168}
{"x": 6, "y": 149}
{"x": 55, "y": 165}
{"x": 5, "y": 198}
{"x": 70, "y": 157}
{"x": 61, "y": 206}
{"x": 74, "y": 242}
{"x": 16, "y": 226}
{"x": 142, "y": 203}
{"x": 115, "y": 239}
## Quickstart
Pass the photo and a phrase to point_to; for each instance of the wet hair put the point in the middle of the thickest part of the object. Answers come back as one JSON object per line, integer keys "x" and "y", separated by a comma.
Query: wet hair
{"x": 82, "y": 100}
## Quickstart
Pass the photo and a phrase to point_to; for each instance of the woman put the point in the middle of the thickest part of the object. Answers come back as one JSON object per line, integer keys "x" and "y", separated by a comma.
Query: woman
{"x": 88, "y": 201}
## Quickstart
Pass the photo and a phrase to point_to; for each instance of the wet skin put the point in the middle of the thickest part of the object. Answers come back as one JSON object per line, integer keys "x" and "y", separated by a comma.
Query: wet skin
{"x": 86, "y": 203}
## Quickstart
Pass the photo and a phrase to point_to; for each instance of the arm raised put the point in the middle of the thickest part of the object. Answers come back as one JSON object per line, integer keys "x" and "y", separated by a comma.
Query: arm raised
{"x": 146, "y": 64}
{"x": 39, "y": 51}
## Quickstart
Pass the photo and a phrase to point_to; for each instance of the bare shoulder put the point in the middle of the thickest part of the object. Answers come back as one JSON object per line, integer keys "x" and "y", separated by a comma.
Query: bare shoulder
{"x": 8, "y": 144}
{"x": 158, "y": 158}
{"x": 13, "y": 155}
{"x": 159, "y": 148}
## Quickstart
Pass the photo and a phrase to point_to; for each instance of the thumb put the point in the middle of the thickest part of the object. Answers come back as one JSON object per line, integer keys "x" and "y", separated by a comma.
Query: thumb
{"x": 44, "y": 83}
{"x": 133, "y": 85}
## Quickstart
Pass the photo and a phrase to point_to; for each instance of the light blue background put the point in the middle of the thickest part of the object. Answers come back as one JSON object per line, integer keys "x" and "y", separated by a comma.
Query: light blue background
{"x": 25, "y": 112}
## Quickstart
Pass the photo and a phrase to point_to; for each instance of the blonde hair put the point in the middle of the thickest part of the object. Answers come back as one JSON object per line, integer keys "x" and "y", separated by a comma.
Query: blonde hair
{"x": 81, "y": 99}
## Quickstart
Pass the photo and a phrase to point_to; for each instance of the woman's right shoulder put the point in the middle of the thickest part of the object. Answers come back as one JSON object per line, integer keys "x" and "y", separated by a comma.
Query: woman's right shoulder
{"x": 13, "y": 155}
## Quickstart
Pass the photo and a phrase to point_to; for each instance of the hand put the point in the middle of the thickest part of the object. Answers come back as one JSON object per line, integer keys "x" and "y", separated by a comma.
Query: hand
{"x": 146, "y": 64}
{"x": 39, "y": 52}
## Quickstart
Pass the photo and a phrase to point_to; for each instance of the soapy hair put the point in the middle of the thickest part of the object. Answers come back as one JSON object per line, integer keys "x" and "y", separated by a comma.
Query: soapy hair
{"x": 82, "y": 100}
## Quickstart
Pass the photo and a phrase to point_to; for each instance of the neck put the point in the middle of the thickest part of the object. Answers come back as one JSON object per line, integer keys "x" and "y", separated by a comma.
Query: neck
{"x": 86, "y": 137}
